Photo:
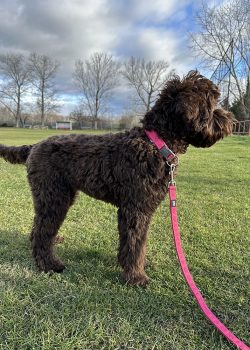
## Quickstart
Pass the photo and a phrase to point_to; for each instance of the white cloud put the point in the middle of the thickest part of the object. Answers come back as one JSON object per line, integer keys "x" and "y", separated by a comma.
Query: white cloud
{"x": 71, "y": 29}
{"x": 159, "y": 44}
{"x": 74, "y": 28}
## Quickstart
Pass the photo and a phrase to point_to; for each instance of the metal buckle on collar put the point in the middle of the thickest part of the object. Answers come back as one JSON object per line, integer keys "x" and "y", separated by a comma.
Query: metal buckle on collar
{"x": 167, "y": 153}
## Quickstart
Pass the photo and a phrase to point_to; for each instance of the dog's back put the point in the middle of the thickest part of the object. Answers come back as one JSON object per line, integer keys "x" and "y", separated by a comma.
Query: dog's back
{"x": 102, "y": 166}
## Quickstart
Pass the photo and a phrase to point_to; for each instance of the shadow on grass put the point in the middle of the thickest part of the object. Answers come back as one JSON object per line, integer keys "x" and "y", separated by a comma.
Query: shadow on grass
{"x": 15, "y": 249}
{"x": 91, "y": 285}
{"x": 90, "y": 263}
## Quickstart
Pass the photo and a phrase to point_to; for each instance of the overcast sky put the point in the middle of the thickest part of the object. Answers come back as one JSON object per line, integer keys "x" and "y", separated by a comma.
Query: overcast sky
{"x": 72, "y": 29}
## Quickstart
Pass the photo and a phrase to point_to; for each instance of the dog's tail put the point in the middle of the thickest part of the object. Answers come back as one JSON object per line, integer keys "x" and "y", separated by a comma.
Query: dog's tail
{"x": 15, "y": 155}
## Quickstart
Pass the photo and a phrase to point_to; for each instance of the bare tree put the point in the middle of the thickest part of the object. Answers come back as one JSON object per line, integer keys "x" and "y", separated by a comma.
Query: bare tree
{"x": 42, "y": 73}
{"x": 146, "y": 78}
{"x": 223, "y": 39}
{"x": 96, "y": 78}
{"x": 80, "y": 117}
{"x": 15, "y": 83}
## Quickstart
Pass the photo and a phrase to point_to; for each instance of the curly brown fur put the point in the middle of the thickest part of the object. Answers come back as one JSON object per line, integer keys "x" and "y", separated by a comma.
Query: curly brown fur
{"x": 123, "y": 169}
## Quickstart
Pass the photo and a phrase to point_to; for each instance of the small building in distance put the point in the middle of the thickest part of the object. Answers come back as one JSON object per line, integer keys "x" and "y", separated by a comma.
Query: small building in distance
{"x": 64, "y": 125}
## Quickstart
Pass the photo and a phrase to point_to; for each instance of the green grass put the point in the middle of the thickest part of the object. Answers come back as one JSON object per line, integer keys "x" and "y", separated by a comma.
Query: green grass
{"x": 87, "y": 307}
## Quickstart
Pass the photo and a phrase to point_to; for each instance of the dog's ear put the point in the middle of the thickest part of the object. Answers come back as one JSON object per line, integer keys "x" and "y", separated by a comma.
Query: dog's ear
{"x": 218, "y": 125}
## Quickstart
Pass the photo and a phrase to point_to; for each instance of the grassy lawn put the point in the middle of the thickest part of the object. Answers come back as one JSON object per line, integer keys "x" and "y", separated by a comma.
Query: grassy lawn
{"x": 87, "y": 307}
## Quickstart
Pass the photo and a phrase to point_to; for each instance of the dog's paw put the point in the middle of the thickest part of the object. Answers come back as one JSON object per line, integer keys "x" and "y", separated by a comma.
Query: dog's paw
{"x": 136, "y": 279}
{"x": 58, "y": 267}
{"x": 50, "y": 265}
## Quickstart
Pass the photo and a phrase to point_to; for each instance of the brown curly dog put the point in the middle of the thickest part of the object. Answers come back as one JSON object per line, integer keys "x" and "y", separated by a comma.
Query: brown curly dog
{"x": 124, "y": 169}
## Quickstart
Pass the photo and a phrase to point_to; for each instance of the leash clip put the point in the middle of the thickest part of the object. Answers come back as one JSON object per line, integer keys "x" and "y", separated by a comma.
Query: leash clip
{"x": 171, "y": 173}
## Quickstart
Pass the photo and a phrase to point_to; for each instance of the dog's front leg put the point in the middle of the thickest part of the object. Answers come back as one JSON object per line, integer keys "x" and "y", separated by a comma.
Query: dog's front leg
{"x": 133, "y": 225}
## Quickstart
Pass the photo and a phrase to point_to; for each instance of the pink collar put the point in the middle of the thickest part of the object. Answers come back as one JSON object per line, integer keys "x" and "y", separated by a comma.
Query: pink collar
{"x": 160, "y": 144}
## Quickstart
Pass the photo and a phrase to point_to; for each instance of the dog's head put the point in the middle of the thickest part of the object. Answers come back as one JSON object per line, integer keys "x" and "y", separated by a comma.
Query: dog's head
{"x": 188, "y": 109}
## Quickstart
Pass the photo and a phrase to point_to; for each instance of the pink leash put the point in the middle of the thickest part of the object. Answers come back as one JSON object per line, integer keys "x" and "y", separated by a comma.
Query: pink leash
{"x": 169, "y": 156}
{"x": 189, "y": 279}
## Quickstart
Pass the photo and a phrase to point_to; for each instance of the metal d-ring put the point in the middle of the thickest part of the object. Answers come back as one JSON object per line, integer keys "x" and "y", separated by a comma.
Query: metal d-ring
{"x": 176, "y": 161}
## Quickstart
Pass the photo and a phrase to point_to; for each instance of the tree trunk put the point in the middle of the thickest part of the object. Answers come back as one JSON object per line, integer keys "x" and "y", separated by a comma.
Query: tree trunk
{"x": 42, "y": 105}
{"x": 149, "y": 100}
{"x": 247, "y": 98}
{"x": 95, "y": 124}
{"x": 18, "y": 109}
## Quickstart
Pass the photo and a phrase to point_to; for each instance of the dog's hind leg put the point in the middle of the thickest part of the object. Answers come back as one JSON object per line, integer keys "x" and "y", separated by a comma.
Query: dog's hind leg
{"x": 51, "y": 203}
{"x": 133, "y": 226}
